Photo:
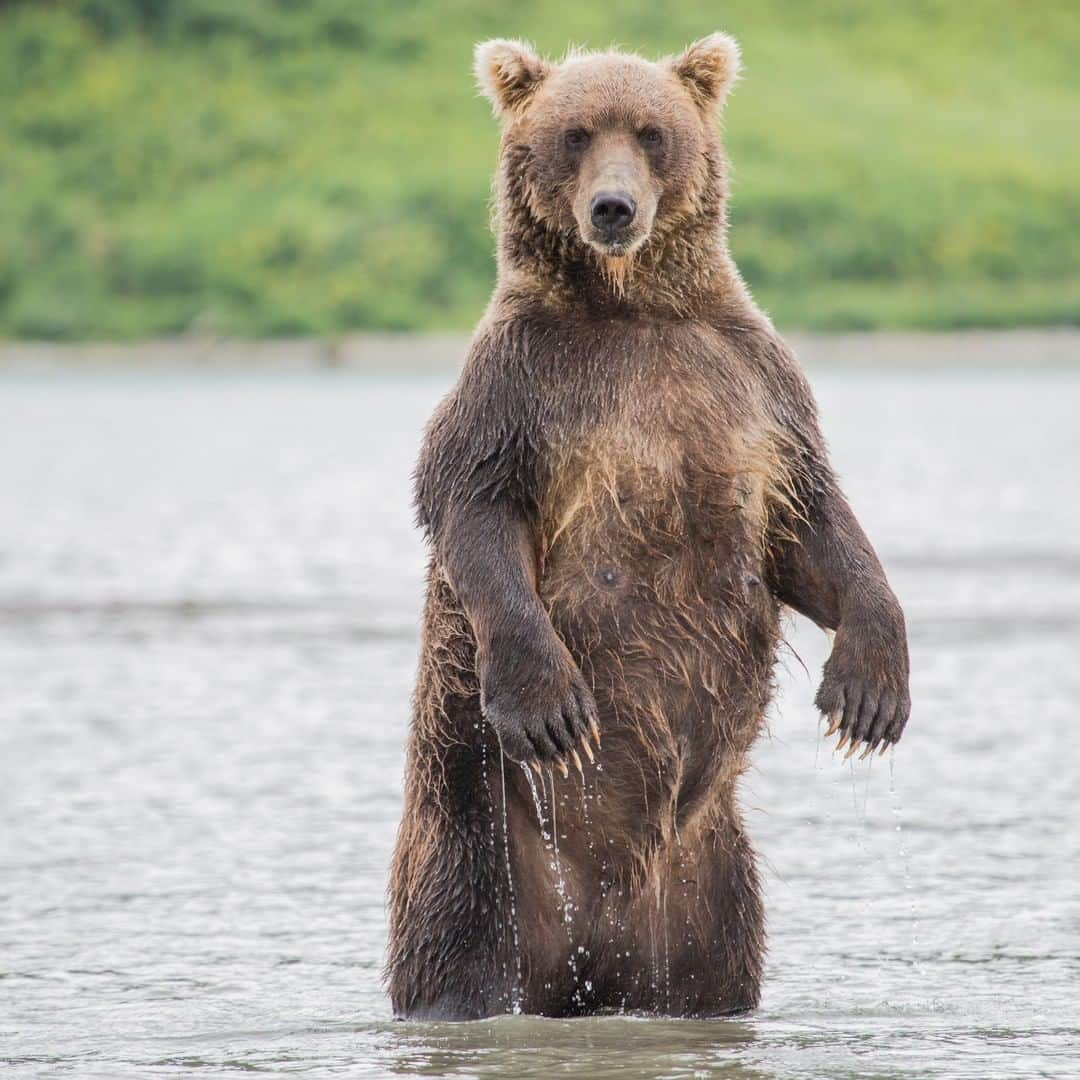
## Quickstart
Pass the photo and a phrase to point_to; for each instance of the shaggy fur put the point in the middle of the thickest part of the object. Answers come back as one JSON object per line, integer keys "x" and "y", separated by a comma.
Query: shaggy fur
{"x": 621, "y": 492}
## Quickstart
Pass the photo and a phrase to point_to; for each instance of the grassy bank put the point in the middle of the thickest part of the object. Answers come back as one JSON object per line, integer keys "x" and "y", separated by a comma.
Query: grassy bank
{"x": 277, "y": 168}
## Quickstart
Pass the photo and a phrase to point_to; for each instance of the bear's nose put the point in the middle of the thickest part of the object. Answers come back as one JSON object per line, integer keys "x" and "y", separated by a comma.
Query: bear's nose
{"x": 611, "y": 211}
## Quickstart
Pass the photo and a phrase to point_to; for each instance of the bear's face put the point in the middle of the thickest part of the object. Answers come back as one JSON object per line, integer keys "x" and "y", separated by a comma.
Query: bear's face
{"x": 611, "y": 149}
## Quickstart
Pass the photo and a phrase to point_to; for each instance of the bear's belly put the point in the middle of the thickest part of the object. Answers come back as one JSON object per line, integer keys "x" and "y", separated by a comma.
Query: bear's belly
{"x": 652, "y": 545}
{"x": 682, "y": 613}
{"x": 662, "y": 601}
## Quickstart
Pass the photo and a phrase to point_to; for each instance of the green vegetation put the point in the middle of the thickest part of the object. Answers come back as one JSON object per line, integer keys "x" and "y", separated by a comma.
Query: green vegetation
{"x": 283, "y": 167}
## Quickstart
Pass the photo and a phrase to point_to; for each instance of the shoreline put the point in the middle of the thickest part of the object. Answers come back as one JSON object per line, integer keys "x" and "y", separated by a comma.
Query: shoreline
{"x": 417, "y": 353}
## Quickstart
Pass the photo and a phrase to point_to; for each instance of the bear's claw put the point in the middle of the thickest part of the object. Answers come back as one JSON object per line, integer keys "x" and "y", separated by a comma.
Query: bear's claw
{"x": 868, "y": 744}
{"x": 539, "y": 716}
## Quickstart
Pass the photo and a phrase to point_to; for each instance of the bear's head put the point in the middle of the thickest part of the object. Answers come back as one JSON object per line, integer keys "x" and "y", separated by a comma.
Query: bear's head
{"x": 609, "y": 161}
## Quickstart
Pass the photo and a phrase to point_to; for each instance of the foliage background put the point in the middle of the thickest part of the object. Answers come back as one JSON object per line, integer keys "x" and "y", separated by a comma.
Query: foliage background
{"x": 288, "y": 167}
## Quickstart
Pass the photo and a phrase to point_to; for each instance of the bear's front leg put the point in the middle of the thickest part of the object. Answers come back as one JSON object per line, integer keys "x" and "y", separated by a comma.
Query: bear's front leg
{"x": 826, "y": 569}
{"x": 864, "y": 691}
{"x": 532, "y": 692}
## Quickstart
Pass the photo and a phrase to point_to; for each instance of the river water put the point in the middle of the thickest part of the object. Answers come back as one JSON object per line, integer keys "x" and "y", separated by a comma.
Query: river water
{"x": 209, "y": 595}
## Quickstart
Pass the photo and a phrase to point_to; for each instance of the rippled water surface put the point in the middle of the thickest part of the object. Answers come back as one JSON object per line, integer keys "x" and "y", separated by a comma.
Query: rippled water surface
{"x": 209, "y": 595}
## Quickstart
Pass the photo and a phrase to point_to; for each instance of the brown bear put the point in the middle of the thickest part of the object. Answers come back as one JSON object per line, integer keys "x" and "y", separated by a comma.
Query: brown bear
{"x": 623, "y": 490}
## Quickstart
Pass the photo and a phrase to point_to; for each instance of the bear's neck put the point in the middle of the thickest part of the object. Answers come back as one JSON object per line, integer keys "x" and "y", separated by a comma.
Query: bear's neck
{"x": 682, "y": 271}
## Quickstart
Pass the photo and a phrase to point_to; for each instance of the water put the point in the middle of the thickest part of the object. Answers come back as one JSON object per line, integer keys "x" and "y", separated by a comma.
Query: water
{"x": 209, "y": 595}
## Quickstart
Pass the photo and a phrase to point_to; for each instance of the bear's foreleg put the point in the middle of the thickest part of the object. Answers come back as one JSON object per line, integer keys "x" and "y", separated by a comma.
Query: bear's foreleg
{"x": 826, "y": 568}
{"x": 534, "y": 696}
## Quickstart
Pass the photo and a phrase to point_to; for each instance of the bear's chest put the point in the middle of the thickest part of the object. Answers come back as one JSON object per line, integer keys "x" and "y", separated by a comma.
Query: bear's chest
{"x": 667, "y": 493}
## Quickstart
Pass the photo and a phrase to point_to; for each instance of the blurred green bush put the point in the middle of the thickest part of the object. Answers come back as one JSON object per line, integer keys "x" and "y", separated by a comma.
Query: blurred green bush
{"x": 285, "y": 167}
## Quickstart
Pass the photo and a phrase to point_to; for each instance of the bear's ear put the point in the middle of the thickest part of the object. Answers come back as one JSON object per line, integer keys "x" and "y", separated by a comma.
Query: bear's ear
{"x": 507, "y": 73}
{"x": 709, "y": 68}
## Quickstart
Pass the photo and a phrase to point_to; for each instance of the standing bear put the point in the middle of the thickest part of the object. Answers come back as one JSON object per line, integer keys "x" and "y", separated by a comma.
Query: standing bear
{"x": 623, "y": 490}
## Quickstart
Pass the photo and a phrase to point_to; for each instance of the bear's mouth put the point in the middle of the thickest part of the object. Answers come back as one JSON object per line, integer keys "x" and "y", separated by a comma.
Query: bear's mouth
{"x": 616, "y": 247}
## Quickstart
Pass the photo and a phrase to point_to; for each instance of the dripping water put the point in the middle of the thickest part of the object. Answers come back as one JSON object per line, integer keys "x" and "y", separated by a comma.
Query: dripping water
{"x": 905, "y": 860}
{"x": 667, "y": 948}
{"x": 862, "y": 857}
{"x": 538, "y": 804}
{"x": 551, "y": 845}
{"x": 516, "y": 996}
{"x": 564, "y": 898}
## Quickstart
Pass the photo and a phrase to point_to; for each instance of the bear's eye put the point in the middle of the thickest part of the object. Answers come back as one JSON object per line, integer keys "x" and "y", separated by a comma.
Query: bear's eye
{"x": 651, "y": 136}
{"x": 576, "y": 139}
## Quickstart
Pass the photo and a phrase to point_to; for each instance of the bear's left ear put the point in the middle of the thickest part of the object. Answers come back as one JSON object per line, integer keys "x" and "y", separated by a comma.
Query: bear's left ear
{"x": 709, "y": 69}
{"x": 507, "y": 73}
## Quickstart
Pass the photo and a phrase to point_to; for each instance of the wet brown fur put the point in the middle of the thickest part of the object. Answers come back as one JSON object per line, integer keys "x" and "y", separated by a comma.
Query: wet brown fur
{"x": 623, "y": 489}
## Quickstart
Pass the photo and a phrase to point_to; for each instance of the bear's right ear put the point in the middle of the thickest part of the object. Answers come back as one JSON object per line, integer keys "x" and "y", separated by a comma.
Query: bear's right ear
{"x": 507, "y": 73}
{"x": 709, "y": 68}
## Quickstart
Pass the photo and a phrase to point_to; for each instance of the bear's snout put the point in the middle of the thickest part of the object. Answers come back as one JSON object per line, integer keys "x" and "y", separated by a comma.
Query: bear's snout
{"x": 611, "y": 212}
